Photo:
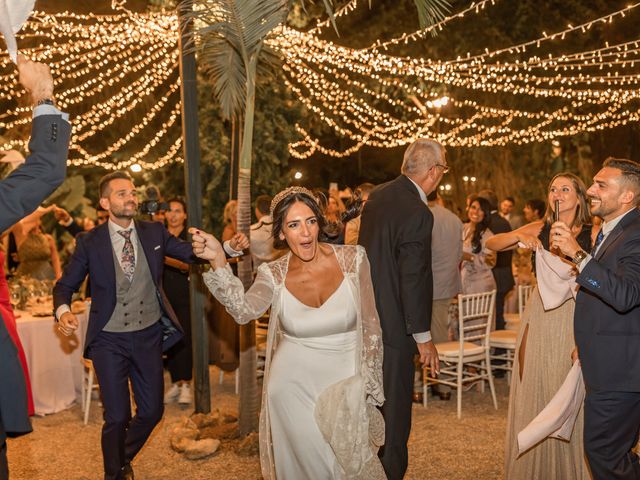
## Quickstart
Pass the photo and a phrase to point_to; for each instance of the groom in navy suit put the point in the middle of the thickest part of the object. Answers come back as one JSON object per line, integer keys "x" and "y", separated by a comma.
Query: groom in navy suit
{"x": 607, "y": 321}
{"x": 130, "y": 322}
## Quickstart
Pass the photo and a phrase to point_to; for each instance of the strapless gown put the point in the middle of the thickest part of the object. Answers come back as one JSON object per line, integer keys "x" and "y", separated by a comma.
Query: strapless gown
{"x": 317, "y": 349}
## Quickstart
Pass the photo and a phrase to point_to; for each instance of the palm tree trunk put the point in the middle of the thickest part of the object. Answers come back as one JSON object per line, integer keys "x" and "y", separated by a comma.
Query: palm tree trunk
{"x": 249, "y": 402}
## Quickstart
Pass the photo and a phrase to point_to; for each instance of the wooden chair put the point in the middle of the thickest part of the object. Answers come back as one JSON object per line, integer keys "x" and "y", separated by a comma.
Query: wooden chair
{"x": 475, "y": 318}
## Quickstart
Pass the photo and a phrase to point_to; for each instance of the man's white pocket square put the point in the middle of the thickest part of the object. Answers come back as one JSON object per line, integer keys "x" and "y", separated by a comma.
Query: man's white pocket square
{"x": 156, "y": 247}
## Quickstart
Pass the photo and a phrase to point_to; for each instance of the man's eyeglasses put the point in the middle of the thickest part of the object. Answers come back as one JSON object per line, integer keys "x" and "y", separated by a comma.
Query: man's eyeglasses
{"x": 445, "y": 168}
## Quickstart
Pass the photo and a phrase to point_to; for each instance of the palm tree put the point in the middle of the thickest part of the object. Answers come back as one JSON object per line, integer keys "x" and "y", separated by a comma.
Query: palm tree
{"x": 234, "y": 53}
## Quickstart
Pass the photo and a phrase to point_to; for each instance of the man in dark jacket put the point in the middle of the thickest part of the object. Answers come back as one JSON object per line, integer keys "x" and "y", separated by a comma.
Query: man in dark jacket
{"x": 20, "y": 194}
{"x": 396, "y": 232}
{"x": 607, "y": 321}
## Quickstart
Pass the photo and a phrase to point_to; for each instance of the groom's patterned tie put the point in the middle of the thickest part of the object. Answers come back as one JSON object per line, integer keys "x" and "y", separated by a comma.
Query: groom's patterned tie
{"x": 128, "y": 258}
{"x": 599, "y": 239}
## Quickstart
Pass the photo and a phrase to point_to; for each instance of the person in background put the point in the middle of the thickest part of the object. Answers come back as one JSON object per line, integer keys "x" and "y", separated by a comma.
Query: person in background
{"x": 335, "y": 207}
{"x": 477, "y": 259}
{"x": 66, "y": 221}
{"x": 260, "y": 237}
{"x": 506, "y": 212}
{"x": 37, "y": 252}
{"x": 534, "y": 210}
{"x": 20, "y": 194}
{"x": 446, "y": 255}
{"x": 333, "y": 226}
{"x": 230, "y": 218}
{"x": 7, "y": 315}
{"x": 503, "y": 270}
{"x": 352, "y": 227}
{"x": 396, "y": 233}
{"x": 175, "y": 280}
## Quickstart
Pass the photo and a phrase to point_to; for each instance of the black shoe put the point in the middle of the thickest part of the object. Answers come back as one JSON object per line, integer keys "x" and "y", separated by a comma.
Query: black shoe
{"x": 127, "y": 472}
{"x": 499, "y": 374}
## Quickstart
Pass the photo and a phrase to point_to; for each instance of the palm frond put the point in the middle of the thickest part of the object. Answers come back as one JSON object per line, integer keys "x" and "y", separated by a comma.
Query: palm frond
{"x": 431, "y": 11}
{"x": 224, "y": 66}
{"x": 232, "y": 32}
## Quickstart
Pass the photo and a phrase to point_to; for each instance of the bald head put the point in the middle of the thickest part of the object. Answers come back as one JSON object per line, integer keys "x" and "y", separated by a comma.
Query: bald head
{"x": 421, "y": 156}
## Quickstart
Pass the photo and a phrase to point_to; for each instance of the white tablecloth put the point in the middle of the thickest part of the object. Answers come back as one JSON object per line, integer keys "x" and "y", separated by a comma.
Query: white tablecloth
{"x": 55, "y": 361}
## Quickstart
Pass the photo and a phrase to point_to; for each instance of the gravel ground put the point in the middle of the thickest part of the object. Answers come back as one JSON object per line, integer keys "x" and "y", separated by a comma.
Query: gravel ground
{"x": 441, "y": 447}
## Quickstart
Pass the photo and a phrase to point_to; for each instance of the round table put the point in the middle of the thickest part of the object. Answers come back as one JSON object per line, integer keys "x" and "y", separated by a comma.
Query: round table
{"x": 54, "y": 360}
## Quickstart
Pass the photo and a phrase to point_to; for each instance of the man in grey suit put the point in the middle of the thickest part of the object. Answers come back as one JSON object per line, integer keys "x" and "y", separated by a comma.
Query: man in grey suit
{"x": 446, "y": 254}
{"x": 607, "y": 321}
{"x": 20, "y": 194}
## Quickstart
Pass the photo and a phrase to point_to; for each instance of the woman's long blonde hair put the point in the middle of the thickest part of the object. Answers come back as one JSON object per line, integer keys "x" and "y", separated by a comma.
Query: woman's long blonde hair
{"x": 583, "y": 216}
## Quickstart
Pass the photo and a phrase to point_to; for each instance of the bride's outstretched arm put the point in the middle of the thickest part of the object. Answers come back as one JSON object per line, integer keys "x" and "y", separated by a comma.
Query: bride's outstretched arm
{"x": 226, "y": 287}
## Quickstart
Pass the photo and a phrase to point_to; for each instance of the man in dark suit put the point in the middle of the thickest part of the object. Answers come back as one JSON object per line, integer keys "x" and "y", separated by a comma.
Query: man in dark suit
{"x": 20, "y": 194}
{"x": 130, "y": 320}
{"x": 502, "y": 271}
{"x": 607, "y": 321}
{"x": 396, "y": 232}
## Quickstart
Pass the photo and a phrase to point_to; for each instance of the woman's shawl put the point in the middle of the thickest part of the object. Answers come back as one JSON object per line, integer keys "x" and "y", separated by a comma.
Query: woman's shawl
{"x": 346, "y": 412}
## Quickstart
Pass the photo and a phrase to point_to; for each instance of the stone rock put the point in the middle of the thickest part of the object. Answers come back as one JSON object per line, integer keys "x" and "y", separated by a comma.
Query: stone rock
{"x": 202, "y": 420}
{"x": 224, "y": 431}
{"x": 188, "y": 423}
{"x": 181, "y": 438}
{"x": 227, "y": 418}
{"x": 181, "y": 444}
{"x": 201, "y": 448}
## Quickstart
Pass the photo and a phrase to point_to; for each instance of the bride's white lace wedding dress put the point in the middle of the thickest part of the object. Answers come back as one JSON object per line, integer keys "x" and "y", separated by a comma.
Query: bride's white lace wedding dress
{"x": 323, "y": 371}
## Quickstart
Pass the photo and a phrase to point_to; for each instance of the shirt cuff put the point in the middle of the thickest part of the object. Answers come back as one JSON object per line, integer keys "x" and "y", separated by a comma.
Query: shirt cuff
{"x": 584, "y": 262}
{"x": 230, "y": 251}
{"x": 61, "y": 310}
{"x": 46, "y": 109}
{"x": 422, "y": 337}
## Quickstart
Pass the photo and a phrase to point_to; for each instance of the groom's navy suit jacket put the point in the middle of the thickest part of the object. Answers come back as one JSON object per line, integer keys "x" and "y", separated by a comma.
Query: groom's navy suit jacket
{"x": 607, "y": 315}
{"x": 94, "y": 256}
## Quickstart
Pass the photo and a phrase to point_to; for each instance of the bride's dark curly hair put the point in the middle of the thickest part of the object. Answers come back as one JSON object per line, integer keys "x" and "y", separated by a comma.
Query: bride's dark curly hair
{"x": 280, "y": 213}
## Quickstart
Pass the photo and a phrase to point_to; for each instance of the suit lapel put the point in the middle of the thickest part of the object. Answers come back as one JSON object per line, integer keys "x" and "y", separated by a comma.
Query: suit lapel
{"x": 616, "y": 232}
{"x": 147, "y": 244}
{"x": 105, "y": 252}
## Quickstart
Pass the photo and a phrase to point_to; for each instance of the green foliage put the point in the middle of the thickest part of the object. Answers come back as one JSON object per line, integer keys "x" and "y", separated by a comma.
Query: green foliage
{"x": 232, "y": 33}
{"x": 276, "y": 116}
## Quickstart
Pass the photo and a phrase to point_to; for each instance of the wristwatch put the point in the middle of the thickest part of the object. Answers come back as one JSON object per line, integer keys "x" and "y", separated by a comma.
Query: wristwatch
{"x": 579, "y": 257}
{"x": 45, "y": 101}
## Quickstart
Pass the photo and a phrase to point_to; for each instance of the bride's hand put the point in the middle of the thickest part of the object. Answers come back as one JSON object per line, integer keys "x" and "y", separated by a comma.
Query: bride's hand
{"x": 207, "y": 247}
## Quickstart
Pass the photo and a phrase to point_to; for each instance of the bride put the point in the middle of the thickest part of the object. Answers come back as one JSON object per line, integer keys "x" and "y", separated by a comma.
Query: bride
{"x": 323, "y": 370}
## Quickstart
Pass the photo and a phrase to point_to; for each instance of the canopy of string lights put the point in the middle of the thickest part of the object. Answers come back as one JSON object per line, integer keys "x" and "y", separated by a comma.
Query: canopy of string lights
{"x": 120, "y": 72}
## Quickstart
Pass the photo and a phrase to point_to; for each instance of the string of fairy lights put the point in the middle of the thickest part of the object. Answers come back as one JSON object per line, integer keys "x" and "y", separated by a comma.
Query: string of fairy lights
{"x": 117, "y": 75}
{"x": 583, "y": 91}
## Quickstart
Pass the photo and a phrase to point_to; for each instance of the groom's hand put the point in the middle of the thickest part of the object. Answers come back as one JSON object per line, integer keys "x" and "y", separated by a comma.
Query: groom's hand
{"x": 429, "y": 357}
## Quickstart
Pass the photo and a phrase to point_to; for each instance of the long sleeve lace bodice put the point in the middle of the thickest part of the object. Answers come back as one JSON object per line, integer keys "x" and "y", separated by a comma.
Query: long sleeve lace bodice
{"x": 228, "y": 289}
